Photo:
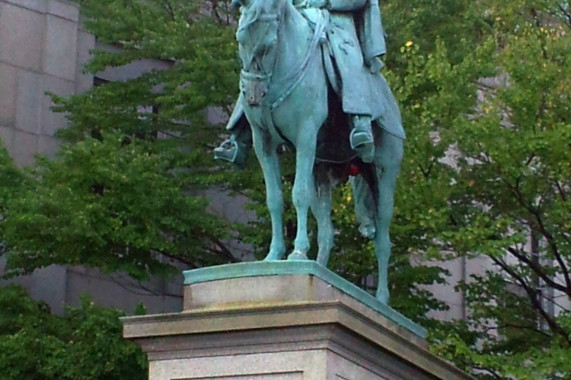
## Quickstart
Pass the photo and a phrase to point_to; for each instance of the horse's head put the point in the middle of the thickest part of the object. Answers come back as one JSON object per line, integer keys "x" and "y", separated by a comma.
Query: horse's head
{"x": 257, "y": 37}
{"x": 258, "y": 33}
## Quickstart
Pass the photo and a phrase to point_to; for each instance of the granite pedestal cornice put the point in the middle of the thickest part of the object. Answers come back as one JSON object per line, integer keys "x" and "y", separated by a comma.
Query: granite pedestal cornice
{"x": 283, "y": 326}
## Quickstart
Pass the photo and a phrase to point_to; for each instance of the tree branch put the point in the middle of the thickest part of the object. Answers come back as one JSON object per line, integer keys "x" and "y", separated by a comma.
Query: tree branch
{"x": 532, "y": 328}
{"x": 567, "y": 14}
{"x": 169, "y": 9}
{"x": 548, "y": 236}
{"x": 539, "y": 271}
{"x": 225, "y": 251}
{"x": 532, "y": 295}
{"x": 561, "y": 191}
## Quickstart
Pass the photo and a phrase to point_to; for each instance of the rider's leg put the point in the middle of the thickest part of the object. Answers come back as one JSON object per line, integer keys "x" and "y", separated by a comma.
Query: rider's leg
{"x": 361, "y": 139}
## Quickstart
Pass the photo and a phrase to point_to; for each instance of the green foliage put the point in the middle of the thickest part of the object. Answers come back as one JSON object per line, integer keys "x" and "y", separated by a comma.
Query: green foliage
{"x": 11, "y": 178}
{"x": 484, "y": 88}
{"x": 127, "y": 184}
{"x": 85, "y": 344}
{"x": 111, "y": 205}
{"x": 487, "y": 171}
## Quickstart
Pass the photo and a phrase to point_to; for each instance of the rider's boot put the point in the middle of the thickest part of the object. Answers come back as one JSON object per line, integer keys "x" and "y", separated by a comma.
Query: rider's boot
{"x": 361, "y": 139}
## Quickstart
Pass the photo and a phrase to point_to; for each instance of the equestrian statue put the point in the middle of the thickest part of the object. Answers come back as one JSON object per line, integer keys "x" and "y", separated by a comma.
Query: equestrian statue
{"x": 311, "y": 79}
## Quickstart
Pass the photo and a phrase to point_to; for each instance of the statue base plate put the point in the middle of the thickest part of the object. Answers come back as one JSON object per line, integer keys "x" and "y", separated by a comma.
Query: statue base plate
{"x": 282, "y": 320}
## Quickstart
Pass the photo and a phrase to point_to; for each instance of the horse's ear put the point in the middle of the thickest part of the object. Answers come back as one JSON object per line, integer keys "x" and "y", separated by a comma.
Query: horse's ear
{"x": 236, "y": 3}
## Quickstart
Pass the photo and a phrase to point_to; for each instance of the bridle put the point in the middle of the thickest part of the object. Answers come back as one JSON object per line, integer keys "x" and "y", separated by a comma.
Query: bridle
{"x": 255, "y": 16}
{"x": 277, "y": 89}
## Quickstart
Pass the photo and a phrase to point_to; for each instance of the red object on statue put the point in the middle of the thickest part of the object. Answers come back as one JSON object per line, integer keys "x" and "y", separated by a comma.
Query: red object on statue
{"x": 353, "y": 170}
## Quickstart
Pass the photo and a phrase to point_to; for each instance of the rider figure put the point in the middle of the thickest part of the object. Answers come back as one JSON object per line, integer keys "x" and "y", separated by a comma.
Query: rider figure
{"x": 355, "y": 39}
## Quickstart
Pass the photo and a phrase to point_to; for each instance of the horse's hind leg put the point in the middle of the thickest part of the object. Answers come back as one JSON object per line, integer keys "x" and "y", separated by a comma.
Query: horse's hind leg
{"x": 321, "y": 209}
{"x": 268, "y": 158}
{"x": 388, "y": 157}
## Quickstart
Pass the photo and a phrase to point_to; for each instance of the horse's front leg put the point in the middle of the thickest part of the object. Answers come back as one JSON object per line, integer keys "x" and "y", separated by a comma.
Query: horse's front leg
{"x": 267, "y": 156}
{"x": 303, "y": 187}
{"x": 387, "y": 160}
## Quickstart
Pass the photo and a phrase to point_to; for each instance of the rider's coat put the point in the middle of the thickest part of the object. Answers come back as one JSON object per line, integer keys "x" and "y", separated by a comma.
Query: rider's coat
{"x": 356, "y": 41}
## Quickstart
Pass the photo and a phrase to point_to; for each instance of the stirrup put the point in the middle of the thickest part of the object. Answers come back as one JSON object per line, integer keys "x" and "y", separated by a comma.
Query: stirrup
{"x": 227, "y": 151}
{"x": 360, "y": 137}
{"x": 363, "y": 143}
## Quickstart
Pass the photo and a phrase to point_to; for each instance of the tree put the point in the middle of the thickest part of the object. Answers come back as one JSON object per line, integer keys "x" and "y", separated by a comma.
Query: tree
{"x": 85, "y": 344}
{"x": 124, "y": 187}
{"x": 119, "y": 193}
{"x": 485, "y": 93}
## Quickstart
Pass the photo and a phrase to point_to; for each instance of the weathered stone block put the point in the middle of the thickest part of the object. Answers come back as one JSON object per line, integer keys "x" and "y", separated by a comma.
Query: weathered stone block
{"x": 29, "y": 93}
{"x": 8, "y": 92}
{"x": 35, "y": 5}
{"x": 6, "y": 137}
{"x": 21, "y": 36}
{"x": 24, "y": 147}
{"x": 60, "y": 51}
{"x": 283, "y": 320}
{"x": 63, "y": 9}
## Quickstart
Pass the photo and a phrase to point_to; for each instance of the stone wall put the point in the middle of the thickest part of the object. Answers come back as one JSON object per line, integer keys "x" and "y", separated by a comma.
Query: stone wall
{"x": 41, "y": 49}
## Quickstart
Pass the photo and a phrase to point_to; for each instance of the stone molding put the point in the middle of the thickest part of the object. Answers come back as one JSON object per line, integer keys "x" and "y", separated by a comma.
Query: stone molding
{"x": 60, "y": 8}
{"x": 256, "y": 324}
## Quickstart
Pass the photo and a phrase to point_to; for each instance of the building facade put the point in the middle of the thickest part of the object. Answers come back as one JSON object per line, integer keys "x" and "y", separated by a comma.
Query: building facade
{"x": 42, "y": 49}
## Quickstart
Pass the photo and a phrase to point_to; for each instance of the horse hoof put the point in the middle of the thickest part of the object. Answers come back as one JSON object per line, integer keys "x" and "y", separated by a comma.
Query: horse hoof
{"x": 322, "y": 259}
{"x": 383, "y": 297}
{"x": 273, "y": 256}
{"x": 297, "y": 255}
{"x": 367, "y": 230}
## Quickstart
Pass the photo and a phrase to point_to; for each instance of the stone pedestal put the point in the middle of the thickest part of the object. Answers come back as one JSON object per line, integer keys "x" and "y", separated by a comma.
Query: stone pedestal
{"x": 282, "y": 320}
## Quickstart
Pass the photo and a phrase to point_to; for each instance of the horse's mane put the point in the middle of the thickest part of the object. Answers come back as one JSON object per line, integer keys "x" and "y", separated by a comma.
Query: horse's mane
{"x": 252, "y": 13}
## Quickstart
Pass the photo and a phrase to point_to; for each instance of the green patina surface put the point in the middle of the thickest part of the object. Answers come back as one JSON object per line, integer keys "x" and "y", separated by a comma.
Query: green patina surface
{"x": 310, "y": 78}
{"x": 306, "y": 267}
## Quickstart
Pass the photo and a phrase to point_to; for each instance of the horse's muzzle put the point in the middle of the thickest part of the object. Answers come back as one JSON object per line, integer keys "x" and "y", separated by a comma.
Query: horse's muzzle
{"x": 254, "y": 89}
{"x": 256, "y": 95}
